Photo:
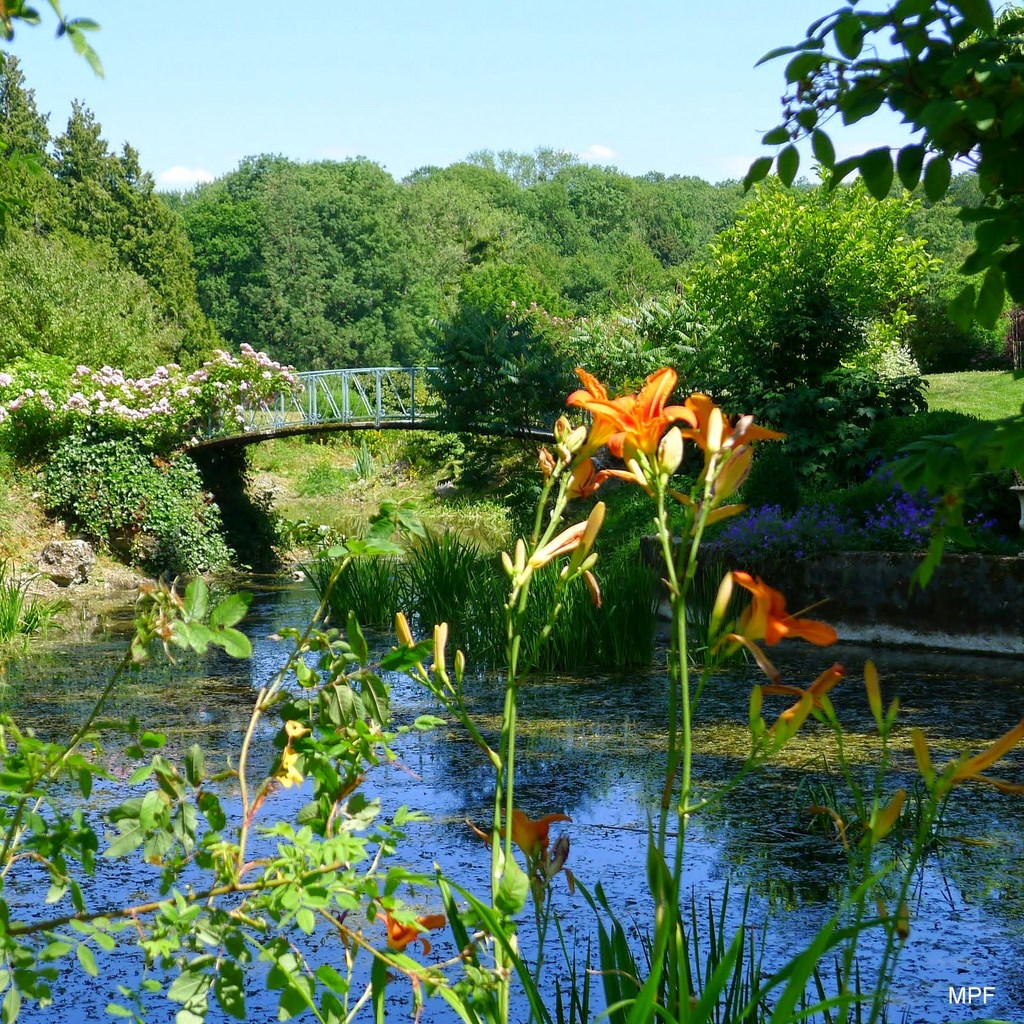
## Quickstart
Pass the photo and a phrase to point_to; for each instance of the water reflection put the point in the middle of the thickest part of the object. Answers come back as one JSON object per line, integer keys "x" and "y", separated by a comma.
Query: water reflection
{"x": 594, "y": 748}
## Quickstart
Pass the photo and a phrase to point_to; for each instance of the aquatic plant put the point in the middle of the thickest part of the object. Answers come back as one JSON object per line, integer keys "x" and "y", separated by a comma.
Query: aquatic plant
{"x": 21, "y": 615}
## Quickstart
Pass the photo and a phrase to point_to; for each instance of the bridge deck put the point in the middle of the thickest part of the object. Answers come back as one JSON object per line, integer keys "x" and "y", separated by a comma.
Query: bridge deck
{"x": 371, "y": 398}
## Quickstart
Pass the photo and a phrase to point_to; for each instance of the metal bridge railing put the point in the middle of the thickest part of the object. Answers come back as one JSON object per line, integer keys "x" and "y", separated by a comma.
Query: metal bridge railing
{"x": 374, "y": 395}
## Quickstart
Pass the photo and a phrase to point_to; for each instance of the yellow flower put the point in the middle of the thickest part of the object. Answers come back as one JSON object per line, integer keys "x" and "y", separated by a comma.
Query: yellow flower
{"x": 288, "y": 775}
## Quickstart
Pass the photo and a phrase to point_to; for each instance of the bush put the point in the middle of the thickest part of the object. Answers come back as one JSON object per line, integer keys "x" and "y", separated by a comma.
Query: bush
{"x": 150, "y": 511}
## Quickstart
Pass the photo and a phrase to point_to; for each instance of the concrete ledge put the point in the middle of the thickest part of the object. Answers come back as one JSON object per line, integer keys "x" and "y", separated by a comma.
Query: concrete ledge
{"x": 973, "y": 603}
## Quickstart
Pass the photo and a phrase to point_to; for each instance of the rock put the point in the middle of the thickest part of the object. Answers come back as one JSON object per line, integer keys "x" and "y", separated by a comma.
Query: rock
{"x": 67, "y": 561}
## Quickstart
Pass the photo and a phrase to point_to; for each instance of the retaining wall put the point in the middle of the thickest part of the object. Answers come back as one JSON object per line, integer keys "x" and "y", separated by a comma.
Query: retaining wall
{"x": 973, "y": 602}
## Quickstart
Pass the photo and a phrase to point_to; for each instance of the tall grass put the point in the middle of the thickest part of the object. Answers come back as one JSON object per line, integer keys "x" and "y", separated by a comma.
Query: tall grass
{"x": 22, "y": 616}
{"x": 370, "y": 587}
{"x": 445, "y": 578}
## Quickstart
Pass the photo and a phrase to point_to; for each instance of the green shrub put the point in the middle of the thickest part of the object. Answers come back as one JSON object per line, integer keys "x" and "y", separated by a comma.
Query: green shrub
{"x": 147, "y": 510}
{"x": 322, "y": 480}
{"x": 890, "y": 435}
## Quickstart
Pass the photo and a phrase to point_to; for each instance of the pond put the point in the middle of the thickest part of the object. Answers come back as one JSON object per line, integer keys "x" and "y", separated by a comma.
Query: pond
{"x": 592, "y": 748}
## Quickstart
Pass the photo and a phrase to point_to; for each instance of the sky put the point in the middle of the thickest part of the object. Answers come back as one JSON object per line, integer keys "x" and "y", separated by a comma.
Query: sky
{"x": 641, "y": 85}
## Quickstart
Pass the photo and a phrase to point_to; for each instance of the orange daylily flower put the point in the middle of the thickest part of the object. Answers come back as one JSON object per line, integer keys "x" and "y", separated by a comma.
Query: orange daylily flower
{"x": 713, "y": 430}
{"x": 593, "y": 397}
{"x": 400, "y": 934}
{"x": 631, "y": 423}
{"x": 584, "y": 479}
{"x": 532, "y": 836}
{"x": 970, "y": 768}
{"x": 766, "y": 617}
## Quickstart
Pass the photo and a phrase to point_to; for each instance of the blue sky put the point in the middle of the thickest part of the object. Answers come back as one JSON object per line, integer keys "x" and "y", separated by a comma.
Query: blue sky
{"x": 663, "y": 85}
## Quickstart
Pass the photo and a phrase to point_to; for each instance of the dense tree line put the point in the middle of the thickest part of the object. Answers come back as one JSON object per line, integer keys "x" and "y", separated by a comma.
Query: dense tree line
{"x": 337, "y": 263}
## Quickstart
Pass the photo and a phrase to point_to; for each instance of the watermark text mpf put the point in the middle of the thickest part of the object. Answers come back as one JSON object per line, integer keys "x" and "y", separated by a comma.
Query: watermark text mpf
{"x": 969, "y": 995}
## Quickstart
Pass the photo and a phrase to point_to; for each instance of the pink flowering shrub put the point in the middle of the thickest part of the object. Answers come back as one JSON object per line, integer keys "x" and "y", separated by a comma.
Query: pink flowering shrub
{"x": 163, "y": 411}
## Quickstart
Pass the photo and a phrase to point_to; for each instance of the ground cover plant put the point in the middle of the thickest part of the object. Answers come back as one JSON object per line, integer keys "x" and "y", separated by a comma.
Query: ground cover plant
{"x": 244, "y": 889}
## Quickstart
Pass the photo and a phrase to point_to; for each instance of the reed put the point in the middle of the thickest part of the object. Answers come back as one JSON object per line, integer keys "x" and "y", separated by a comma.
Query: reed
{"x": 372, "y": 588}
{"x": 22, "y": 616}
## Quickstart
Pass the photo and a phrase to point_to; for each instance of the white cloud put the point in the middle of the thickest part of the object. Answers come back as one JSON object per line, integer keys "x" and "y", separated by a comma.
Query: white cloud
{"x": 179, "y": 178}
{"x": 596, "y": 153}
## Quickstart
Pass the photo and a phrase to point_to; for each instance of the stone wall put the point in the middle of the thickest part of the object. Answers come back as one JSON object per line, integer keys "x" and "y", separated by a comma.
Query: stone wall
{"x": 974, "y": 602}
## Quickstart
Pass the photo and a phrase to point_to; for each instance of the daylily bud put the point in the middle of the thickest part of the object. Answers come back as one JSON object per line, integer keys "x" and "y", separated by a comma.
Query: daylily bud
{"x": 716, "y": 425}
{"x": 882, "y": 823}
{"x": 440, "y": 640}
{"x": 589, "y": 562}
{"x": 520, "y": 562}
{"x": 546, "y": 462}
{"x": 562, "y": 428}
{"x": 402, "y": 630}
{"x": 593, "y": 586}
{"x": 721, "y": 606}
{"x": 564, "y": 454}
{"x": 670, "y": 451}
{"x": 507, "y": 564}
{"x": 593, "y": 527}
{"x": 903, "y": 921}
{"x": 575, "y": 440}
{"x": 874, "y": 693}
{"x": 460, "y": 665}
{"x": 559, "y": 855}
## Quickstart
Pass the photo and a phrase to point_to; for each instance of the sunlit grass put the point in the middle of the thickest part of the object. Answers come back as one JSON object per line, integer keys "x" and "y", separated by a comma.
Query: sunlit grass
{"x": 988, "y": 394}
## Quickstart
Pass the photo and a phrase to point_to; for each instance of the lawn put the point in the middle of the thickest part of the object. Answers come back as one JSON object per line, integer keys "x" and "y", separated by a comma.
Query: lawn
{"x": 988, "y": 394}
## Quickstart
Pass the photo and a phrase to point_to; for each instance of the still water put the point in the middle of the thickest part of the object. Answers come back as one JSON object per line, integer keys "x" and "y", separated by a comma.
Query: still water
{"x": 592, "y": 748}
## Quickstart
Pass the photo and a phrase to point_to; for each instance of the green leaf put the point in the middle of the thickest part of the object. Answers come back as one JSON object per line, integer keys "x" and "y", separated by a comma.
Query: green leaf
{"x": 87, "y": 960}
{"x": 229, "y": 988}
{"x": 776, "y": 137}
{"x": 977, "y": 13}
{"x": 908, "y": 166}
{"x": 403, "y": 658}
{"x": 802, "y": 65}
{"x": 841, "y": 170}
{"x": 758, "y": 171}
{"x": 231, "y": 610}
{"x": 512, "y": 891}
{"x": 235, "y": 643}
{"x": 876, "y": 170}
{"x": 306, "y": 920}
{"x": 849, "y": 35}
{"x": 937, "y": 175}
{"x": 11, "y": 1006}
{"x": 153, "y": 740}
{"x": 355, "y": 638}
{"x": 132, "y": 835}
{"x": 990, "y": 298}
{"x": 84, "y": 782}
{"x": 195, "y": 764}
{"x": 788, "y": 164}
{"x": 822, "y": 148}
{"x": 197, "y": 599}
{"x": 329, "y": 977}
{"x": 1013, "y": 274}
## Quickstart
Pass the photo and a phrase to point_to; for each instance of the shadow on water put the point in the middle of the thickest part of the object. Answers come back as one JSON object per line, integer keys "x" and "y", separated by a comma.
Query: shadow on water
{"x": 593, "y": 748}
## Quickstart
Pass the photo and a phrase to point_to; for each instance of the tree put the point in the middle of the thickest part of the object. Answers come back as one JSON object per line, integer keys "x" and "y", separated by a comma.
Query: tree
{"x": 955, "y": 77}
{"x": 805, "y": 277}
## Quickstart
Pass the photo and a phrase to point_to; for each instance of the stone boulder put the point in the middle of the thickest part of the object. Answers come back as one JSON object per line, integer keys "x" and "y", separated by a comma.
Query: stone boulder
{"x": 67, "y": 561}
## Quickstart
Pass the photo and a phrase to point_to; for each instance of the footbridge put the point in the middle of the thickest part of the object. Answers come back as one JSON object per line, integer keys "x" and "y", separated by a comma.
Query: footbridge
{"x": 367, "y": 398}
